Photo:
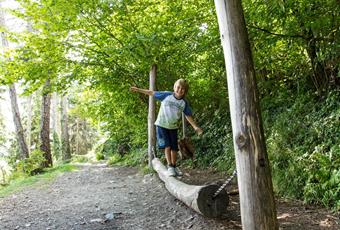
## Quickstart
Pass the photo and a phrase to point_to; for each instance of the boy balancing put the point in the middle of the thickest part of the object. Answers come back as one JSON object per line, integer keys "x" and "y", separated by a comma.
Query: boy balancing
{"x": 172, "y": 106}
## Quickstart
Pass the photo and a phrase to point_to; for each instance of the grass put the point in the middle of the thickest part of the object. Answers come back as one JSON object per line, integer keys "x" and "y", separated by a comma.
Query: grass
{"x": 20, "y": 183}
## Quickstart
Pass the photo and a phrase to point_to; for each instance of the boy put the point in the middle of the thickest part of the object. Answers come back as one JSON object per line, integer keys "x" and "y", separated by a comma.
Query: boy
{"x": 170, "y": 112}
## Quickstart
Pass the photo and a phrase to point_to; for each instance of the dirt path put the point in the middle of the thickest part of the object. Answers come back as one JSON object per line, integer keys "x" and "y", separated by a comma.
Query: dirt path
{"x": 102, "y": 197}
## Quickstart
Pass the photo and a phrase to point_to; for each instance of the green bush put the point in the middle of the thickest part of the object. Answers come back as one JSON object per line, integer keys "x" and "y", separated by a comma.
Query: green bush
{"x": 100, "y": 156}
{"x": 137, "y": 157}
{"x": 303, "y": 145}
{"x": 32, "y": 165}
{"x": 323, "y": 184}
{"x": 80, "y": 158}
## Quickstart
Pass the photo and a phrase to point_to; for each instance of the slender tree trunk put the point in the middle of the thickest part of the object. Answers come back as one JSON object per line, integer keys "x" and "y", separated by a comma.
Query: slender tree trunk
{"x": 54, "y": 121}
{"x": 253, "y": 170}
{"x": 29, "y": 122}
{"x": 77, "y": 137}
{"x": 54, "y": 112}
{"x": 319, "y": 76}
{"x": 14, "y": 104}
{"x": 151, "y": 117}
{"x": 45, "y": 146}
{"x": 65, "y": 139}
{"x": 17, "y": 122}
{"x": 29, "y": 102}
{"x": 58, "y": 111}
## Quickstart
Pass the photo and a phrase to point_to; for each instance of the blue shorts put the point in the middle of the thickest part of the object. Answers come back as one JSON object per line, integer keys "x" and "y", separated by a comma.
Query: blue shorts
{"x": 167, "y": 138}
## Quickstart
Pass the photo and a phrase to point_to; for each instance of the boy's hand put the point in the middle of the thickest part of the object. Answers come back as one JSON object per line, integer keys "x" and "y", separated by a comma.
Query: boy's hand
{"x": 133, "y": 89}
{"x": 199, "y": 131}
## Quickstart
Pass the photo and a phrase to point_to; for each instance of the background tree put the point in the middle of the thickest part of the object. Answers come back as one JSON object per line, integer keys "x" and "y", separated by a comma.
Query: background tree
{"x": 55, "y": 126}
{"x": 65, "y": 137}
{"x": 45, "y": 146}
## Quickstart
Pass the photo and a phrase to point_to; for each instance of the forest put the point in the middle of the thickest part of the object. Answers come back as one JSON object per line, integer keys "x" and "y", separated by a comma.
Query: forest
{"x": 69, "y": 67}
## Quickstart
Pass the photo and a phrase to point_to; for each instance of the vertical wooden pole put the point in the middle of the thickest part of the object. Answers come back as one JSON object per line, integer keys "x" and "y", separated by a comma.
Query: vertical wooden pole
{"x": 152, "y": 116}
{"x": 254, "y": 175}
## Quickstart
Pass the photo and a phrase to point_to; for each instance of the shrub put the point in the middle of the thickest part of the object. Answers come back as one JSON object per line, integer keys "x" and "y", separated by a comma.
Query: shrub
{"x": 80, "y": 158}
{"x": 32, "y": 165}
{"x": 100, "y": 156}
{"x": 303, "y": 145}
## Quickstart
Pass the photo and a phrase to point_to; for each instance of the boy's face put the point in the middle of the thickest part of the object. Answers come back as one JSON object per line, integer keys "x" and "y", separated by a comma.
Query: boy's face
{"x": 179, "y": 91}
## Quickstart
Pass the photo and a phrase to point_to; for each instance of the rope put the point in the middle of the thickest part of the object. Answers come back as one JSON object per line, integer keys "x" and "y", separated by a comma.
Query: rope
{"x": 225, "y": 184}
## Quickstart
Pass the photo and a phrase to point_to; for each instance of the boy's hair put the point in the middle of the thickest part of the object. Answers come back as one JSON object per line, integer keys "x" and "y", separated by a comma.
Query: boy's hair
{"x": 183, "y": 83}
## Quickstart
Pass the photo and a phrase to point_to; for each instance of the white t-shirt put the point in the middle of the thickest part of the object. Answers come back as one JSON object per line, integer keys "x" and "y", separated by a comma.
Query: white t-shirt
{"x": 171, "y": 109}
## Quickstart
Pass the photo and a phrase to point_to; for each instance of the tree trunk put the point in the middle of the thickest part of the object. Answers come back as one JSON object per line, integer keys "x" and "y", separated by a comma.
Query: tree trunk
{"x": 14, "y": 104}
{"x": 17, "y": 122}
{"x": 54, "y": 112}
{"x": 199, "y": 198}
{"x": 253, "y": 169}
{"x": 45, "y": 146}
{"x": 30, "y": 108}
{"x": 77, "y": 136}
{"x": 29, "y": 122}
{"x": 151, "y": 117}
{"x": 319, "y": 76}
{"x": 65, "y": 137}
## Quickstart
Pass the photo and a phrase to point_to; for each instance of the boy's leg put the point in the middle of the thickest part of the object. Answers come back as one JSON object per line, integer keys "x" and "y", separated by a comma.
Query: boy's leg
{"x": 168, "y": 155}
{"x": 173, "y": 142}
{"x": 173, "y": 158}
{"x": 174, "y": 150}
{"x": 163, "y": 140}
{"x": 173, "y": 161}
{"x": 171, "y": 168}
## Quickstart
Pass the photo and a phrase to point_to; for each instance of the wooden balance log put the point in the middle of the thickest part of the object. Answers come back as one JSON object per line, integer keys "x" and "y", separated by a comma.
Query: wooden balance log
{"x": 199, "y": 198}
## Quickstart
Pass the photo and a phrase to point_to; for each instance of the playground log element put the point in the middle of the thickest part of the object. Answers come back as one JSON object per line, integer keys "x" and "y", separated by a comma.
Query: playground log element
{"x": 198, "y": 198}
{"x": 152, "y": 116}
{"x": 253, "y": 169}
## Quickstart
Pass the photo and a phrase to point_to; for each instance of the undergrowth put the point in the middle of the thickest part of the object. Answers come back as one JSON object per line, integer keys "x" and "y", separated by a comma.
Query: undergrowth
{"x": 303, "y": 141}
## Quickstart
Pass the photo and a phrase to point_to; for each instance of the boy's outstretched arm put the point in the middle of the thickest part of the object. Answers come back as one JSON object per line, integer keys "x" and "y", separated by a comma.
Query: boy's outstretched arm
{"x": 143, "y": 91}
{"x": 192, "y": 122}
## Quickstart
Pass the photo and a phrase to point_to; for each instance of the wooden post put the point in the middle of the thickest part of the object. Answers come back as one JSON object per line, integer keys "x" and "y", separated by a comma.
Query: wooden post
{"x": 254, "y": 176}
{"x": 152, "y": 117}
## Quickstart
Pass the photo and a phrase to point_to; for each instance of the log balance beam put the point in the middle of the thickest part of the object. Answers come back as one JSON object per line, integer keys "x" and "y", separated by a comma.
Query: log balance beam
{"x": 198, "y": 198}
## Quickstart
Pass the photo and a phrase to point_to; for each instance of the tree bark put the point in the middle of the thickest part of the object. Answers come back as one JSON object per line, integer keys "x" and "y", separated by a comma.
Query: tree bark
{"x": 77, "y": 136}
{"x": 253, "y": 170}
{"x": 319, "y": 77}
{"x": 65, "y": 137}
{"x": 54, "y": 112}
{"x": 45, "y": 146}
{"x": 29, "y": 122}
{"x": 14, "y": 103}
{"x": 152, "y": 117}
{"x": 17, "y": 123}
{"x": 199, "y": 198}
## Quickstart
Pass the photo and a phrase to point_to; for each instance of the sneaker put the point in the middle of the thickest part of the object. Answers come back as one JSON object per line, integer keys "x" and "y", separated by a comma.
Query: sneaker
{"x": 171, "y": 171}
{"x": 178, "y": 172}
